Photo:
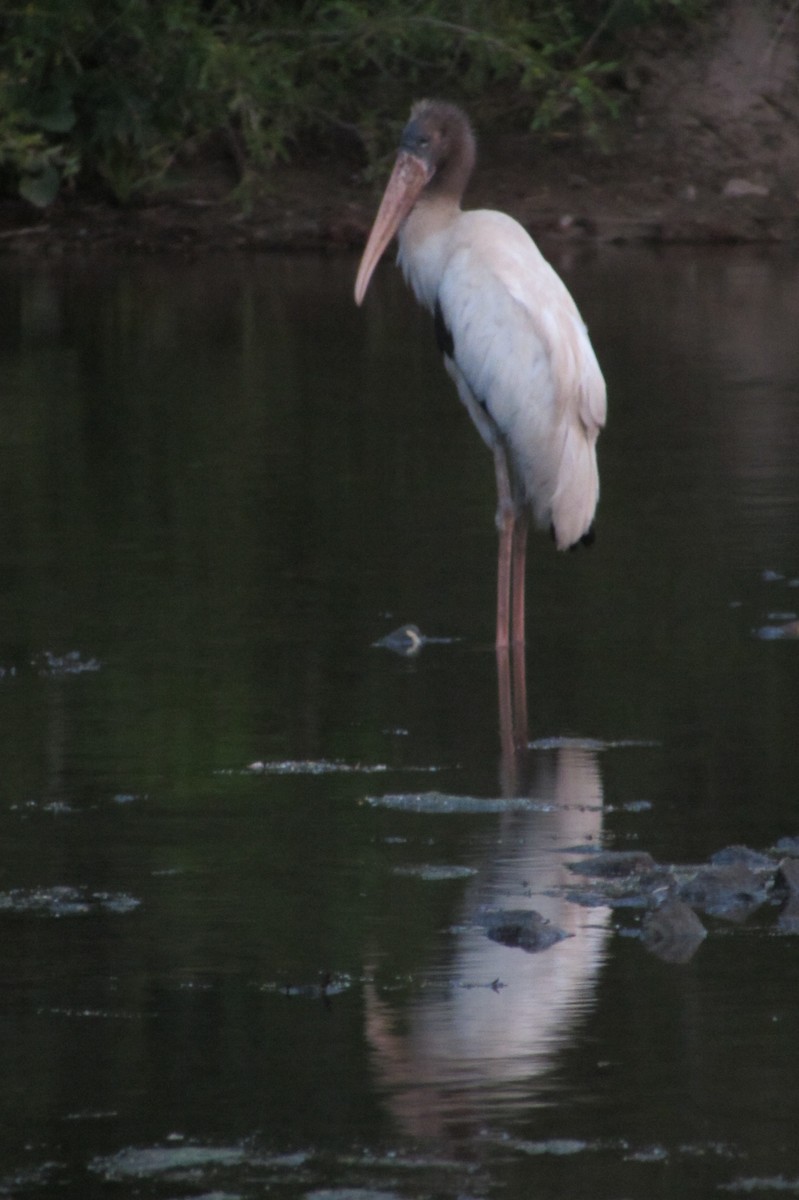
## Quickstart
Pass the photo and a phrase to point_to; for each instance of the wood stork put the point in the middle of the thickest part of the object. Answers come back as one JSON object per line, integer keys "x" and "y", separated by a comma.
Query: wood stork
{"x": 512, "y": 339}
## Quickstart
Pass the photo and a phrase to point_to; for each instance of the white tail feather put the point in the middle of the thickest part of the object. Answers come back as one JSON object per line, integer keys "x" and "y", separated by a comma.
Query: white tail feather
{"x": 577, "y": 491}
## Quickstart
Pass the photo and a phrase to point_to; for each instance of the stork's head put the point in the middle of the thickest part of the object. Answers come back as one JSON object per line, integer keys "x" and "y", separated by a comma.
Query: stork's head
{"x": 436, "y": 157}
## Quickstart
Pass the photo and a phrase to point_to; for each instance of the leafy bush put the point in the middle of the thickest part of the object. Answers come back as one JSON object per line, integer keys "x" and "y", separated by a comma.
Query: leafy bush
{"x": 111, "y": 91}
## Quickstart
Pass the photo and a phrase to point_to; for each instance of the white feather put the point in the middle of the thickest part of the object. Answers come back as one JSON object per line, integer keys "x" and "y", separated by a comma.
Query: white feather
{"x": 522, "y": 359}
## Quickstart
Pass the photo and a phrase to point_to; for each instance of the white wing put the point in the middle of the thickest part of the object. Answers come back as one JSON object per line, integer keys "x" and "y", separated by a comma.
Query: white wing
{"x": 521, "y": 353}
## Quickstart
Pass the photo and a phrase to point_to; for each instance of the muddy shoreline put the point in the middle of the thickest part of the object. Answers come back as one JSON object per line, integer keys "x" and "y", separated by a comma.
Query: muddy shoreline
{"x": 706, "y": 150}
{"x": 574, "y": 194}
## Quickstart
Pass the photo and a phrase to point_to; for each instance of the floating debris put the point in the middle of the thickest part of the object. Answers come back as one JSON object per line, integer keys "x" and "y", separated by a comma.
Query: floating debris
{"x": 442, "y": 802}
{"x": 587, "y": 743}
{"x": 65, "y": 901}
{"x": 559, "y": 1147}
{"x": 434, "y": 873}
{"x": 771, "y": 633}
{"x": 772, "y": 1183}
{"x": 316, "y": 767}
{"x": 135, "y": 1163}
{"x": 92, "y": 1014}
{"x": 648, "y": 1154}
{"x": 347, "y": 1193}
{"x": 28, "y": 1178}
{"x": 408, "y": 640}
{"x": 329, "y": 985}
{"x": 91, "y": 1114}
{"x": 59, "y": 807}
{"x": 53, "y": 666}
{"x": 735, "y": 188}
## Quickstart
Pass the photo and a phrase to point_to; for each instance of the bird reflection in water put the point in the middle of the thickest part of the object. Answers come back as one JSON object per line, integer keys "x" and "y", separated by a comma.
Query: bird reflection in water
{"x": 482, "y": 1030}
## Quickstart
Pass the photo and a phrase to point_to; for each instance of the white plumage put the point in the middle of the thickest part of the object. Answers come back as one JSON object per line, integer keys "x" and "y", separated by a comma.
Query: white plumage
{"x": 512, "y": 337}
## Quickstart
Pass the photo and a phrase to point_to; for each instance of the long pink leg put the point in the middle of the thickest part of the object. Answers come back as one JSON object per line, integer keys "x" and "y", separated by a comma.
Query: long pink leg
{"x": 506, "y": 723}
{"x": 519, "y": 666}
{"x": 513, "y": 735}
{"x": 504, "y": 583}
{"x": 518, "y": 561}
{"x": 506, "y": 520}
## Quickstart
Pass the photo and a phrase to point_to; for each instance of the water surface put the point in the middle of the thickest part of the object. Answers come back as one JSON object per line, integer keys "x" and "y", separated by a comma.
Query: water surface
{"x": 243, "y": 941}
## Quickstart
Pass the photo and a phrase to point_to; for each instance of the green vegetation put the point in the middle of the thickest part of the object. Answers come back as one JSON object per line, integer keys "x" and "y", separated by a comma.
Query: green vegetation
{"x": 112, "y": 93}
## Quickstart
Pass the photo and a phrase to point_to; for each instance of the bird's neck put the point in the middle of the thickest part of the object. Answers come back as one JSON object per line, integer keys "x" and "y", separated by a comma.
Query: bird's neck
{"x": 423, "y": 241}
{"x": 454, "y": 171}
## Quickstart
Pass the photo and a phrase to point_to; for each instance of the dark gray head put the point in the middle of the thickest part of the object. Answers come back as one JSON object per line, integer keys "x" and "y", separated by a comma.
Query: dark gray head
{"x": 440, "y": 135}
{"x": 435, "y": 159}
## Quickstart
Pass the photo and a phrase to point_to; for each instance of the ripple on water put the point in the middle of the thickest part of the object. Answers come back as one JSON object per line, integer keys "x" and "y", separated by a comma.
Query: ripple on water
{"x": 65, "y": 901}
{"x": 320, "y": 766}
{"x": 147, "y": 1162}
{"x": 53, "y": 666}
{"x": 771, "y": 1183}
{"x": 443, "y": 802}
{"x": 590, "y": 744}
{"x": 351, "y": 1194}
{"x": 435, "y": 872}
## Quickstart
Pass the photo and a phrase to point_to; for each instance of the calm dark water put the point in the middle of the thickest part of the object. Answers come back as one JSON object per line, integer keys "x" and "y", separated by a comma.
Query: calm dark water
{"x": 221, "y": 484}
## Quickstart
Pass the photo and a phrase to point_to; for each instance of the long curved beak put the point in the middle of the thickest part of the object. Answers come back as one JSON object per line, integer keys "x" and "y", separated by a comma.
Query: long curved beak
{"x": 409, "y": 176}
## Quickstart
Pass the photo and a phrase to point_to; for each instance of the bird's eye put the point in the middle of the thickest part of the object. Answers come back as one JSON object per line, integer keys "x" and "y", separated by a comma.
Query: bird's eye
{"x": 424, "y": 141}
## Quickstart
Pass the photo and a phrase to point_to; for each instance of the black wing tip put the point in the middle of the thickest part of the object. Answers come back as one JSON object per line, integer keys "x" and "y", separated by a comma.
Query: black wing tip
{"x": 588, "y": 538}
{"x": 444, "y": 339}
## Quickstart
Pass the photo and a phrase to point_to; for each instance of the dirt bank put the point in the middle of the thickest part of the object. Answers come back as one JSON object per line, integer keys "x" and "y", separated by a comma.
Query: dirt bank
{"x": 707, "y": 151}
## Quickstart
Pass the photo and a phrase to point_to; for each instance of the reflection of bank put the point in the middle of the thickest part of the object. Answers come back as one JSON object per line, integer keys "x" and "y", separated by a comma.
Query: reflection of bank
{"x": 478, "y": 1044}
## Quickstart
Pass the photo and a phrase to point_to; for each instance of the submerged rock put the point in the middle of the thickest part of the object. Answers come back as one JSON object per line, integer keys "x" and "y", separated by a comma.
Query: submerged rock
{"x": 786, "y": 879}
{"x": 731, "y": 890}
{"x": 788, "y": 920}
{"x": 733, "y": 884}
{"x": 525, "y": 929}
{"x": 786, "y": 887}
{"x": 741, "y": 854}
{"x": 615, "y": 864}
{"x": 673, "y": 931}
